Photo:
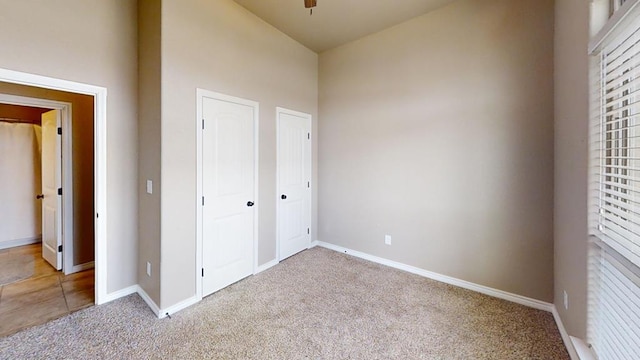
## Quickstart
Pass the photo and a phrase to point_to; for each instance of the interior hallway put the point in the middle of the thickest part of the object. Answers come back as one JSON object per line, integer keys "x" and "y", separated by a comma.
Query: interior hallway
{"x": 33, "y": 293}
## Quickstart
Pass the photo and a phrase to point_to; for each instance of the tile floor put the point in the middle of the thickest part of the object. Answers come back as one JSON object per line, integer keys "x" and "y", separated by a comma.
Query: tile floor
{"x": 46, "y": 295}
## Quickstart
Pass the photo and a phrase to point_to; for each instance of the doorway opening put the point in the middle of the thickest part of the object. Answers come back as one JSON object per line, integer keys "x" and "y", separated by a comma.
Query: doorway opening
{"x": 38, "y": 155}
{"x": 83, "y": 260}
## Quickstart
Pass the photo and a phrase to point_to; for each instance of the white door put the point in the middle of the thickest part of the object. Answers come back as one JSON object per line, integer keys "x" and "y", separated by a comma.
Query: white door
{"x": 294, "y": 182}
{"x": 228, "y": 188}
{"x": 51, "y": 180}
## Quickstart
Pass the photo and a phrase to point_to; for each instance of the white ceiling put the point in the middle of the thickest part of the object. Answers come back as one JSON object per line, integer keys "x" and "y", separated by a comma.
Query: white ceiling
{"x": 336, "y": 22}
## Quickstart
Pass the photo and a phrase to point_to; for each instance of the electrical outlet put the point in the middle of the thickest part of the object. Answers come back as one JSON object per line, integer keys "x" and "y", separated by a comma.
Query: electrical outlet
{"x": 149, "y": 187}
{"x": 387, "y": 239}
{"x": 566, "y": 300}
{"x": 148, "y": 268}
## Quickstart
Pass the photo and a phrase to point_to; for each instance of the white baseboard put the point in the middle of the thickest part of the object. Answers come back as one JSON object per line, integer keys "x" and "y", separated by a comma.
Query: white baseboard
{"x": 518, "y": 299}
{"x": 120, "y": 293}
{"x": 266, "y": 266}
{"x": 565, "y": 335}
{"x": 20, "y": 242}
{"x": 177, "y": 307}
{"x": 583, "y": 351}
{"x": 82, "y": 267}
{"x": 147, "y": 299}
{"x": 314, "y": 243}
{"x": 162, "y": 313}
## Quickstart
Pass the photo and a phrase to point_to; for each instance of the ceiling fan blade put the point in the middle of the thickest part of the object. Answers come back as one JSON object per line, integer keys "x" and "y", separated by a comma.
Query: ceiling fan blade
{"x": 310, "y": 3}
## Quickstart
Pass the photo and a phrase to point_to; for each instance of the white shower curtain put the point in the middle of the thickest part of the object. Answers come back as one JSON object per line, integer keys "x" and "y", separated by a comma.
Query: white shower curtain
{"x": 20, "y": 182}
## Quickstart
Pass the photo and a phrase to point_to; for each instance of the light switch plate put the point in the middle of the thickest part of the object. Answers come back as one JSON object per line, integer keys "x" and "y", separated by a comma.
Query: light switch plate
{"x": 149, "y": 187}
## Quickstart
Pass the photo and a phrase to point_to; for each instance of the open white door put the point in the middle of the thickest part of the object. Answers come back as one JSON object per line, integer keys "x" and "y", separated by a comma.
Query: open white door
{"x": 294, "y": 182}
{"x": 51, "y": 180}
{"x": 228, "y": 189}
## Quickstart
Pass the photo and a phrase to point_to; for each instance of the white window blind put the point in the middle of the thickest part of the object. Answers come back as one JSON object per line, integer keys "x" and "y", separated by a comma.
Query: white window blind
{"x": 618, "y": 136}
{"x": 614, "y": 283}
{"x": 614, "y": 310}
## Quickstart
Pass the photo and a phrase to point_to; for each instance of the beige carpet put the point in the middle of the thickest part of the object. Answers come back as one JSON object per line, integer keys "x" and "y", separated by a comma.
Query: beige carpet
{"x": 318, "y": 304}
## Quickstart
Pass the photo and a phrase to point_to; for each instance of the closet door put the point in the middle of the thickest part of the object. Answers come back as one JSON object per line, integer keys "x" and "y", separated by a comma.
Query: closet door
{"x": 294, "y": 182}
{"x": 228, "y": 183}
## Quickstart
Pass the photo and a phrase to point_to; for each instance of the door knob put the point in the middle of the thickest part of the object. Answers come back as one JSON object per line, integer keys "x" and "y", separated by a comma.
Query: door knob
{"x": 283, "y": 197}
{"x": 250, "y": 203}
{"x": 40, "y": 196}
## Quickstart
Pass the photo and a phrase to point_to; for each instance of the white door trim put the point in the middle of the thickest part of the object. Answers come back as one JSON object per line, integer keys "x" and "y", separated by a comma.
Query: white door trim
{"x": 100, "y": 161}
{"x": 200, "y": 95}
{"x": 281, "y": 110}
{"x": 65, "y": 110}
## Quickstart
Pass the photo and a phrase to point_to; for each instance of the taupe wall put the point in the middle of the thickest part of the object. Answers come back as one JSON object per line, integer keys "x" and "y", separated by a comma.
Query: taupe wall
{"x": 571, "y": 150}
{"x": 439, "y": 132}
{"x": 149, "y": 149}
{"x": 220, "y": 46}
{"x": 82, "y": 162}
{"x": 92, "y": 42}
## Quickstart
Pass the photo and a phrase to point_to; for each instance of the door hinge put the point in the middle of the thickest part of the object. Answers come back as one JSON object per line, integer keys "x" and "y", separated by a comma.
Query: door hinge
{"x": 202, "y": 124}
{"x": 308, "y": 184}
{"x": 59, "y": 131}
{"x": 59, "y": 248}
{"x": 308, "y": 231}
{"x": 60, "y": 191}
{"x": 202, "y": 272}
{"x": 203, "y": 201}
{"x": 308, "y": 136}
